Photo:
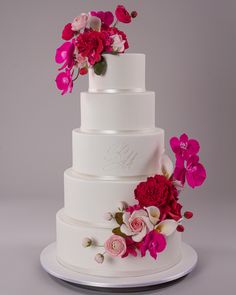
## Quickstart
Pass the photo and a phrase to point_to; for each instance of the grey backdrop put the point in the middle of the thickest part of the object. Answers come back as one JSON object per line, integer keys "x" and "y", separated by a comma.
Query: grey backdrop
{"x": 190, "y": 48}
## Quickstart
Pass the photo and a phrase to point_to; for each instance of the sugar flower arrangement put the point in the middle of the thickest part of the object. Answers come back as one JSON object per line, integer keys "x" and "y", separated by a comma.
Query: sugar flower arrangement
{"x": 87, "y": 38}
{"x": 145, "y": 225}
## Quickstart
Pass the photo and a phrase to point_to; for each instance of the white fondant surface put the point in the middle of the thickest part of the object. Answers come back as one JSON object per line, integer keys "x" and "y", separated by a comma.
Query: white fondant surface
{"x": 118, "y": 154}
{"x": 117, "y": 111}
{"x": 88, "y": 199}
{"x": 71, "y": 254}
{"x": 124, "y": 72}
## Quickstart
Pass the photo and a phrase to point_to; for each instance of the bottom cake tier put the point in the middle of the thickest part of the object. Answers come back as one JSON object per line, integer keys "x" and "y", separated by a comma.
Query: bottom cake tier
{"x": 71, "y": 254}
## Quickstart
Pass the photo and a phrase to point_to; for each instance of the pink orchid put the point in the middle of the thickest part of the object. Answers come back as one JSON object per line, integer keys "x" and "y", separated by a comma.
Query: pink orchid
{"x": 65, "y": 53}
{"x": 64, "y": 81}
{"x": 184, "y": 147}
{"x": 154, "y": 242}
{"x": 194, "y": 171}
{"x": 106, "y": 17}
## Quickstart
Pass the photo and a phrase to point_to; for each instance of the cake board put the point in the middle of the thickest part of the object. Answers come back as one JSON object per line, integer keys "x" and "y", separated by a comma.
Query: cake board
{"x": 53, "y": 267}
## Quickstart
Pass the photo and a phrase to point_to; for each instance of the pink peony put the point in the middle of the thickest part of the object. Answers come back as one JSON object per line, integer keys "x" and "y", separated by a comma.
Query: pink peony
{"x": 115, "y": 246}
{"x": 184, "y": 147}
{"x": 194, "y": 172}
{"x": 122, "y": 14}
{"x": 64, "y": 81}
{"x": 106, "y": 17}
{"x": 65, "y": 53}
{"x": 153, "y": 242}
{"x": 67, "y": 32}
{"x": 79, "y": 22}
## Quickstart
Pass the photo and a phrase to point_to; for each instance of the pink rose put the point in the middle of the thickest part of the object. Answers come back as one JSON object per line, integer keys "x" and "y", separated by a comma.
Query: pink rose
{"x": 115, "y": 246}
{"x": 136, "y": 225}
{"x": 79, "y": 22}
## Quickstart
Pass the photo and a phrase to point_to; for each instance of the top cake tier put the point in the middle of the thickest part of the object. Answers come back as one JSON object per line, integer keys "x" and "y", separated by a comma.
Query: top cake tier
{"x": 125, "y": 72}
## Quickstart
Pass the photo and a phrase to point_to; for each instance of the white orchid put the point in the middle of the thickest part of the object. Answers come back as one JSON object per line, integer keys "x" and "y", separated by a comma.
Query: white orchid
{"x": 167, "y": 227}
{"x": 167, "y": 167}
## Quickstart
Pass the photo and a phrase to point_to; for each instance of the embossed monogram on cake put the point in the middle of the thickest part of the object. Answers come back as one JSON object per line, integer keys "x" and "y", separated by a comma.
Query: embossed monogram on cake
{"x": 119, "y": 156}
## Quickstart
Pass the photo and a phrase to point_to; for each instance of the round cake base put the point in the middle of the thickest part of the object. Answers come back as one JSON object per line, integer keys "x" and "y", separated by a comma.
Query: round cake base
{"x": 49, "y": 263}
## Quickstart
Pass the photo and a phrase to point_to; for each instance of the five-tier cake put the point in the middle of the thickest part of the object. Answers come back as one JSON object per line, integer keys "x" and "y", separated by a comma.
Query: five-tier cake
{"x": 122, "y": 214}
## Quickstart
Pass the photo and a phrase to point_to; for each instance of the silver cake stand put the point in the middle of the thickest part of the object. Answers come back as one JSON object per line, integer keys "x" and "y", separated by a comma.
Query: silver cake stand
{"x": 50, "y": 265}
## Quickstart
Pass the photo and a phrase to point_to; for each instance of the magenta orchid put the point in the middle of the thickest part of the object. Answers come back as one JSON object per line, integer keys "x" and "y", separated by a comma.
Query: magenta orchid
{"x": 65, "y": 54}
{"x": 184, "y": 147}
{"x": 64, "y": 81}
{"x": 153, "y": 242}
{"x": 187, "y": 166}
{"x": 194, "y": 172}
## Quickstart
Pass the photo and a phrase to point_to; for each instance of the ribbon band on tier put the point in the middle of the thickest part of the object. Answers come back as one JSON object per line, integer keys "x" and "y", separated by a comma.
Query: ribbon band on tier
{"x": 123, "y": 131}
{"x": 115, "y": 90}
{"x": 109, "y": 177}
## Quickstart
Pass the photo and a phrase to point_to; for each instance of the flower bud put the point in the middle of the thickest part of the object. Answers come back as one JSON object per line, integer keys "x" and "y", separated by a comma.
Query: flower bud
{"x": 180, "y": 228}
{"x": 108, "y": 216}
{"x": 188, "y": 214}
{"x": 122, "y": 205}
{"x": 87, "y": 242}
{"x": 134, "y": 14}
{"x": 99, "y": 258}
{"x": 83, "y": 71}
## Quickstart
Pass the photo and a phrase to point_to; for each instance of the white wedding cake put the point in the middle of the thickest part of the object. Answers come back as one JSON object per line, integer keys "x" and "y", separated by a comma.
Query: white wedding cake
{"x": 116, "y": 148}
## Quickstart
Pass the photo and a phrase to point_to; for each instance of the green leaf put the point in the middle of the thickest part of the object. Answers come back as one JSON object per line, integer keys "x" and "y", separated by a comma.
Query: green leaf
{"x": 100, "y": 67}
{"x": 119, "y": 217}
{"x": 117, "y": 231}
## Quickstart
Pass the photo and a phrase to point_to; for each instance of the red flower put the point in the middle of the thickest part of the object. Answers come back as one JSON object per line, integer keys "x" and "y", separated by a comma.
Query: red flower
{"x": 107, "y": 32}
{"x": 122, "y": 14}
{"x": 90, "y": 45}
{"x": 161, "y": 192}
{"x": 67, "y": 32}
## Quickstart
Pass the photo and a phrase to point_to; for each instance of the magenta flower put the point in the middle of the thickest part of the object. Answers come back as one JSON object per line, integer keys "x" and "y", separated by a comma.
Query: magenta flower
{"x": 184, "y": 147}
{"x": 130, "y": 248}
{"x": 194, "y": 172}
{"x": 153, "y": 242}
{"x": 65, "y": 53}
{"x": 64, "y": 81}
{"x": 106, "y": 17}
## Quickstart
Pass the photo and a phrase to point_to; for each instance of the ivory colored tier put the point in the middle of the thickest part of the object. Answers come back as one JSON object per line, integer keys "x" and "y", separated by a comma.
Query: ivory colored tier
{"x": 124, "y": 72}
{"x": 117, "y": 155}
{"x": 87, "y": 199}
{"x": 70, "y": 253}
{"x": 122, "y": 111}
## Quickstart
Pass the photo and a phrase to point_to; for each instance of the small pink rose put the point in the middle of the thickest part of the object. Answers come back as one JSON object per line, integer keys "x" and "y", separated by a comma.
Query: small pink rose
{"x": 115, "y": 246}
{"x": 79, "y": 22}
